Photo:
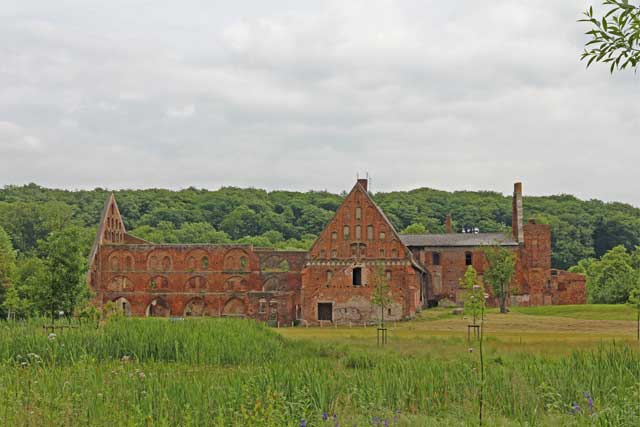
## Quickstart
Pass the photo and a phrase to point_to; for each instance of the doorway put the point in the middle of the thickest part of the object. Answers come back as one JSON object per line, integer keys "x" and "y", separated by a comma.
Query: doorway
{"x": 325, "y": 311}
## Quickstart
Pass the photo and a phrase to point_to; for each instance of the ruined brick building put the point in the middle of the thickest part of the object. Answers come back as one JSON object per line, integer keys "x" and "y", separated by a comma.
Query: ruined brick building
{"x": 333, "y": 281}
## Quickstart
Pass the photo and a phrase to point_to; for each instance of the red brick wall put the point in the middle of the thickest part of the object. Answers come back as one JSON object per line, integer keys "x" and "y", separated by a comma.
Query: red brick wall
{"x": 376, "y": 250}
{"x": 232, "y": 280}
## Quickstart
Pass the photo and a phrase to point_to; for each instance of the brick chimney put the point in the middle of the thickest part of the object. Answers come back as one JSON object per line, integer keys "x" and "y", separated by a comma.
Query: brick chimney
{"x": 364, "y": 183}
{"x": 516, "y": 213}
{"x": 448, "y": 228}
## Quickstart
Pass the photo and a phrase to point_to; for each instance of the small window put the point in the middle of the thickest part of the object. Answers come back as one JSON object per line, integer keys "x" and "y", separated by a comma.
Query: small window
{"x": 389, "y": 312}
{"x": 381, "y": 252}
{"x": 323, "y": 253}
{"x": 357, "y": 276}
{"x": 243, "y": 263}
{"x": 334, "y": 235}
{"x": 334, "y": 253}
{"x": 358, "y": 232}
{"x": 468, "y": 258}
{"x": 435, "y": 258}
{"x": 345, "y": 232}
{"x": 329, "y": 275}
{"x": 205, "y": 263}
{"x": 388, "y": 274}
{"x": 382, "y": 235}
{"x": 369, "y": 232}
{"x": 263, "y": 306}
{"x": 394, "y": 253}
{"x": 358, "y": 213}
{"x": 354, "y": 250}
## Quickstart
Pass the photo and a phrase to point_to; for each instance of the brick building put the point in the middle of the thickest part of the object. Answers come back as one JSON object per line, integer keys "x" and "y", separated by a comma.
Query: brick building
{"x": 333, "y": 281}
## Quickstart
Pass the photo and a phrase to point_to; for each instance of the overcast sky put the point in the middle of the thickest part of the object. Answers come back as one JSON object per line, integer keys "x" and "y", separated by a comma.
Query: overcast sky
{"x": 305, "y": 94}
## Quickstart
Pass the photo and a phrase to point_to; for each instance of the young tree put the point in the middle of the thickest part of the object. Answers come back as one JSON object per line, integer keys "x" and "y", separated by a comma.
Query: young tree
{"x": 64, "y": 261}
{"x": 500, "y": 271}
{"x": 7, "y": 263}
{"x": 634, "y": 299}
{"x": 381, "y": 293}
{"x": 615, "y": 37}
{"x": 474, "y": 293}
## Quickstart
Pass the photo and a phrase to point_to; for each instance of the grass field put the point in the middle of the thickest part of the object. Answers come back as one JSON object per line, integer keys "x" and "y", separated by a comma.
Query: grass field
{"x": 223, "y": 372}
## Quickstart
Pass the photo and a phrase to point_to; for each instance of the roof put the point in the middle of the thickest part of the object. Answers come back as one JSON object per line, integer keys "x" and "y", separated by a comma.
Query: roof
{"x": 458, "y": 239}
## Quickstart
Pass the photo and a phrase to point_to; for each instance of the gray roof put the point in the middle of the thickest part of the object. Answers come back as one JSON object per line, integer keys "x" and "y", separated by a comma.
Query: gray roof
{"x": 458, "y": 239}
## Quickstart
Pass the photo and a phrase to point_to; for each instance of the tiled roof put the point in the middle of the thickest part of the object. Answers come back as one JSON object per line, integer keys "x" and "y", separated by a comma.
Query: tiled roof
{"x": 458, "y": 239}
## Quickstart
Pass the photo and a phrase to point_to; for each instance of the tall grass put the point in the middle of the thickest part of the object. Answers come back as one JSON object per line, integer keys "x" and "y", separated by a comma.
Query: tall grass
{"x": 217, "y": 372}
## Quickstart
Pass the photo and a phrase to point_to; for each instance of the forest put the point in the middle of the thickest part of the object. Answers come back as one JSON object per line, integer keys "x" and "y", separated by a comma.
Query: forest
{"x": 285, "y": 219}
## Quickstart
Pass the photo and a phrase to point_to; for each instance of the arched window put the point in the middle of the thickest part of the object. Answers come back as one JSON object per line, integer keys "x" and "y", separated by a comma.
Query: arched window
{"x": 358, "y": 232}
{"x": 345, "y": 232}
{"x": 334, "y": 235}
{"x": 369, "y": 232}
{"x": 329, "y": 275}
{"x": 166, "y": 263}
{"x": 468, "y": 258}
{"x": 205, "y": 262}
{"x": 128, "y": 263}
{"x": 334, "y": 253}
{"x": 358, "y": 212}
{"x": 394, "y": 253}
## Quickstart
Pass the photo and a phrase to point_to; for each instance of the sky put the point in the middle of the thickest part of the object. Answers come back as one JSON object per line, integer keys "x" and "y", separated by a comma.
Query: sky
{"x": 305, "y": 95}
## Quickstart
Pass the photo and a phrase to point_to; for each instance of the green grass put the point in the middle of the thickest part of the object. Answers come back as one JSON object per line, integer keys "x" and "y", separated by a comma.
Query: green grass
{"x": 585, "y": 311}
{"x": 223, "y": 372}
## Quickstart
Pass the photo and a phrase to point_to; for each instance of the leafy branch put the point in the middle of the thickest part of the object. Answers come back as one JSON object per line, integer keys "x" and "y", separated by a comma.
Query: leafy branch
{"x": 615, "y": 37}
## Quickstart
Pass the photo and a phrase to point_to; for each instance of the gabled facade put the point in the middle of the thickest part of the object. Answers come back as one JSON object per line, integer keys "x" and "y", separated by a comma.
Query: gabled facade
{"x": 332, "y": 282}
{"x": 358, "y": 247}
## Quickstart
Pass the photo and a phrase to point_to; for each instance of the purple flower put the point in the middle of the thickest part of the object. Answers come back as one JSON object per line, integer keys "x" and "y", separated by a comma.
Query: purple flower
{"x": 575, "y": 407}
{"x": 386, "y": 423}
{"x": 376, "y": 421}
{"x": 325, "y": 416}
{"x": 303, "y": 423}
{"x": 589, "y": 400}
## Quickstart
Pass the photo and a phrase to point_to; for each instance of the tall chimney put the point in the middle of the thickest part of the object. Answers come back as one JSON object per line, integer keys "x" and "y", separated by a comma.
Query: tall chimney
{"x": 363, "y": 183}
{"x": 447, "y": 224}
{"x": 516, "y": 213}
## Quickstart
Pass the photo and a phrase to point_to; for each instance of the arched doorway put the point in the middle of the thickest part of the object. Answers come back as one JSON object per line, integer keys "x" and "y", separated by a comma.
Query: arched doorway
{"x": 123, "y": 305}
{"x": 159, "y": 307}
{"x": 234, "y": 308}
{"x": 195, "y": 308}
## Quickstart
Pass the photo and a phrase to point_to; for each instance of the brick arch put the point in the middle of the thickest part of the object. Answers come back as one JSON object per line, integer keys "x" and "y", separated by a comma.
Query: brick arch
{"x": 196, "y": 307}
{"x": 158, "y": 307}
{"x": 195, "y": 283}
{"x": 114, "y": 262}
{"x": 234, "y": 307}
{"x": 120, "y": 283}
{"x": 274, "y": 284}
{"x": 195, "y": 260}
{"x": 274, "y": 263}
{"x": 159, "y": 282}
{"x": 123, "y": 305}
{"x": 236, "y": 260}
{"x": 236, "y": 284}
{"x": 159, "y": 261}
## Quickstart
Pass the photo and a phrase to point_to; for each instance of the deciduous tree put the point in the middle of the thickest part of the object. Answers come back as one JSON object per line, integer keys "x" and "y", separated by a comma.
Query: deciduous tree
{"x": 499, "y": 273}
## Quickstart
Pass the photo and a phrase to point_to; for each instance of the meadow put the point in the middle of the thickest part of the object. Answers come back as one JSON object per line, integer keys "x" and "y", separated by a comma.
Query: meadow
{"x": 568, "y": 366}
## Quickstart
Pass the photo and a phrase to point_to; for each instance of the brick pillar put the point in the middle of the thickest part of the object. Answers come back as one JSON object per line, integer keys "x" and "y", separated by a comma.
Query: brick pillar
{"x": 447, "y": 224}
{"x": 516, "y": 213}
{"x": 364, "y": 183}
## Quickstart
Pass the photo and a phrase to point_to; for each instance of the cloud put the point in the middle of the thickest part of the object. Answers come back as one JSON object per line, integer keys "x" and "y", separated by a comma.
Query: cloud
{"x": 15, "y": 140}
{"x": 451, "y": 95}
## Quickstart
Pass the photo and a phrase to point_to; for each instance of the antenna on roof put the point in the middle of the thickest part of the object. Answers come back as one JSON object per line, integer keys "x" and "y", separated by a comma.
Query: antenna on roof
{"x": 368, "y": 181}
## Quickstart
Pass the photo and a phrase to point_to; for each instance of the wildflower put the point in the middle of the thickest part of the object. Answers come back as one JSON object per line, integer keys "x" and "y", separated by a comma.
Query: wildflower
{"x": 575, "y": 408}
{"x": 386, "y": 423}
{"x": 141, "y": 375}
{"x": 52, "y": 337}
{"x": 125, "y": 358}
{"x": 587, "y": 395}
{"x": 303, "y": 423}
{"x": 325, "y": 416}
{"x": 376, "y": 421}
{"x": 470, "y": 349}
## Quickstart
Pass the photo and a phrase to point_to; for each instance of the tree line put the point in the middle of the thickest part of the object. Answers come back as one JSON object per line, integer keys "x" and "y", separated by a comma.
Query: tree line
{"x": 32, "y": 216}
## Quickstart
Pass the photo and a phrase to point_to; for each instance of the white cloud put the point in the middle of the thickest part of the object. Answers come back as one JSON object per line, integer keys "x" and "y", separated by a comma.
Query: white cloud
{"x": 301, "y": 95}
